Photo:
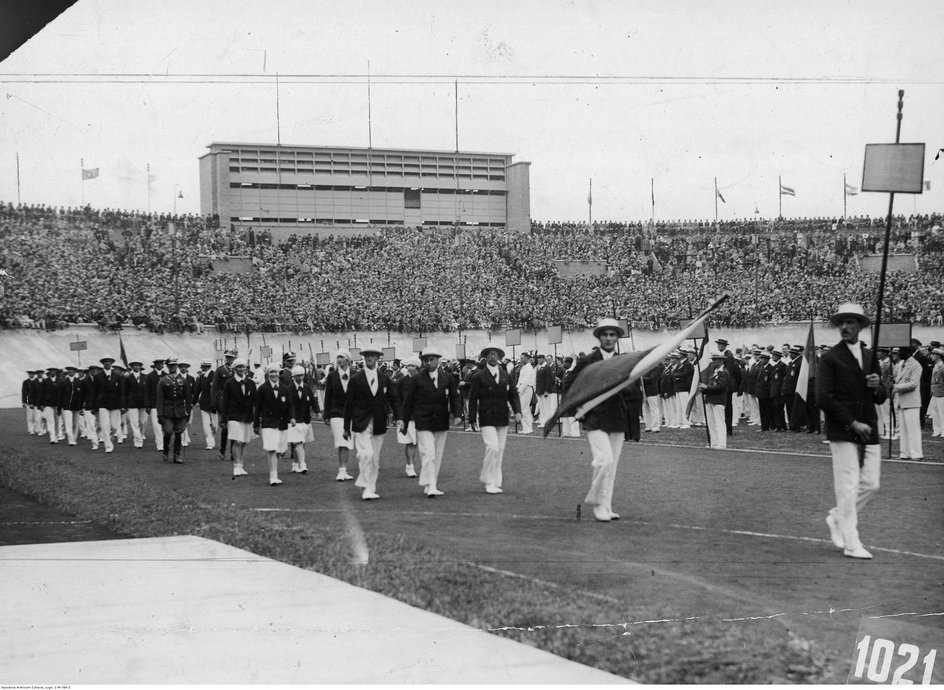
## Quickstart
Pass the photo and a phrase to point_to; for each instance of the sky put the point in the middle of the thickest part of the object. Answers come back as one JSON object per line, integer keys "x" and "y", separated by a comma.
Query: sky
{"x": 646, "y": 98}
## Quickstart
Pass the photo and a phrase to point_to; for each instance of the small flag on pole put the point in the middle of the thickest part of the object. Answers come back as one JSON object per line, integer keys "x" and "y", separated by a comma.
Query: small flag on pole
{"x": 786, "y": 191}
{"x": 720, "y": 197}
{"x": 927, "y": 185}
{"x": 89, "y": 173}
{"x": 807, "y": 370}
{"x": 123, "y": 354}
{"x": 850, "y": 190}
{"x": 590, "y": 194}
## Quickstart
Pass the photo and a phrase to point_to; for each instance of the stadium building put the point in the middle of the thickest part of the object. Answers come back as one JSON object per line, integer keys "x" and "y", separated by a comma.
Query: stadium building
{"x": 340, "y": 190}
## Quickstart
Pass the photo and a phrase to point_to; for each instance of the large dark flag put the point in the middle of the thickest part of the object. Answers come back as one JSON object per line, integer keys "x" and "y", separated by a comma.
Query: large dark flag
{"x": 602, "y": 380}
{"x": 123, "y": 355}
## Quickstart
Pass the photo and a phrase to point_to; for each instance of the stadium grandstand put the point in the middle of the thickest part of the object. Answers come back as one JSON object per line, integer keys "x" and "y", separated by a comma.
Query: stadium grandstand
{"x": 123, "y": 269}
{"x": 322, "y": 190}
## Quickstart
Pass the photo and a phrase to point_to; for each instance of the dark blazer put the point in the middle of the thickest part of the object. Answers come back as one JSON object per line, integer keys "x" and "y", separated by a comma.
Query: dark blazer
{"x": 544, "y": 383}
{"x": 150, "y": 388}
{"x": 489, "y": 401}
{"x": 109, "y": 391}
{"x": 335, "y": 396}
{"x": 612, "y": 415}
{"x": 71, "y": 396}
{"x": 218, "y": 386}
{"x": 273, "y": 411}
{"x": 428, "y": 406}
{"x": 203, "y": 392}
{"x": 49, "y": 392}
{"x": 651, "y": 380}
{"x": 173, "y": 396}
{"x": 88, "y": 393}
{"x": 25, "y": 391}
{"x": 667, "y": 380}
{"x": 34, "y": 388}
{"x": 304, "y": 402}
{"x": 777, "y": 373}
{"x": 718, "y": 383}
{"x": 136, "y": 391}
{"x": 362, "y": 408}
{"x": 789, "y": 386}
{"x": 762, "y": 388}
{"x": 237, "y": 407}
{"x": 843, "y": 396}
{"x": 683, "y": 376}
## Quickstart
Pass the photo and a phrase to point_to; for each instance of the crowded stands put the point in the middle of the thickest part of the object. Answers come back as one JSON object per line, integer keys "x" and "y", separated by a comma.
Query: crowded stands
{"x": 122, "y": 269}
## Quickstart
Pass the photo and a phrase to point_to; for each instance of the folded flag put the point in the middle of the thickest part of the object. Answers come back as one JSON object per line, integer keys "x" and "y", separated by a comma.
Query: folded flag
{"x": 787, "y": 191}
{"x": 850, "y": 190}
{"x": 89, "y": 173}
{"x": 720, "y": 197}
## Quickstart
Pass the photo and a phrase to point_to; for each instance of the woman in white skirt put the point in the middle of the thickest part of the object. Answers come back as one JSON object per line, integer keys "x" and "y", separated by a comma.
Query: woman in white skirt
{"x": 274, "y": 415}
{"x": 305, "y": 403}
{"x": 237, "y": 411}
{"x": 407, "y": 436}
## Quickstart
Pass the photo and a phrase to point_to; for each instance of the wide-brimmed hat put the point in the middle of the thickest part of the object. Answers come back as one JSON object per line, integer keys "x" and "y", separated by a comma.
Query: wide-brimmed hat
{"x": 722, "y": 341}
{"x": 288, "y": 355}
{"x": 430, "y": 352}
{"x": 717, "y": 354}
{"x": 106, "y": 359}
{"x": 131, "y": 364}
{"x": 206, "y": 363}
{"x": 491, "y": 348}
{"x": 606, "y": 325}
{"x": 119, "y": 365}
{"x": 184, "y": 363}
{"x": 170, "y": 360}
{"x": 370, "y": 350}
{"x": 850, "y": 309}
{"x": 765, "y": 354}
{"x": 937, "y": 351}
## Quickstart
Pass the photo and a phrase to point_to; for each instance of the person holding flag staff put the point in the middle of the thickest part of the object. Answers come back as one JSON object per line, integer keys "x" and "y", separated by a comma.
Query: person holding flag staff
{"x": 606, "y": 424}
{"x": 715, "y": 385}
{"x": 847, "y": 390}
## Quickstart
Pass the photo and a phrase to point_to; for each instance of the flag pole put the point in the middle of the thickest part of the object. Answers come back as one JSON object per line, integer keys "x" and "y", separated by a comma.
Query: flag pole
{"x": 716, "y": 201}
{"x": 18, "y": 202}
{"x": 888, "y": 232}
{"x": 779, "y": 198}
{"x": 82, "y": 174}
{"x": 149, "y": 187}
{"x": 844, "y": 195}
{"x": 590, "y": 204}
{"x": 652, "y": 189}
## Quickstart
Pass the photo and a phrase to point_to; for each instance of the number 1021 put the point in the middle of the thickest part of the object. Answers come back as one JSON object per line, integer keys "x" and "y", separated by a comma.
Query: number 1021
{"x": 874, "y": 659}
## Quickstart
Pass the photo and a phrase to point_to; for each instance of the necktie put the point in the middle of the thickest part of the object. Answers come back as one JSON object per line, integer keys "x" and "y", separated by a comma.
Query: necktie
{"x": 496, "y": 376}
{"x": 344, "y": 377}
{"x": 373, "y": 385}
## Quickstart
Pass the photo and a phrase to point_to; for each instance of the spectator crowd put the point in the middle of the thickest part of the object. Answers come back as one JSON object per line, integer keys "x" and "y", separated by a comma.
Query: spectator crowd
{"x": 154, "y": 271}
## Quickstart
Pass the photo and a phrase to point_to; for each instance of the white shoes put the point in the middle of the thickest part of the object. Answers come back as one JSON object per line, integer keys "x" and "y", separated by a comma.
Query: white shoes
{"x": 601, "y": 514}
{"x": 369, "y": 495}
{"x": 614, "y": 516}
{"x": 343, "y": 475}
{"x": 274, "y": 481}
{"x": 295, "y": 468}
{"x": 433, "y": 491}
{"x": 857, "y": 552}
{"x": 492, "y": 489}
{"x": 834, "y": 532}
{"x": 410, "y": 470}
{"x": 239, "y": 472}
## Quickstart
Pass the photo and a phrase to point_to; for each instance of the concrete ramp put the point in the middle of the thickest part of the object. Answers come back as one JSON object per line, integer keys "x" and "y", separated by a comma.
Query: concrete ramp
{"x": 188, "y": 610}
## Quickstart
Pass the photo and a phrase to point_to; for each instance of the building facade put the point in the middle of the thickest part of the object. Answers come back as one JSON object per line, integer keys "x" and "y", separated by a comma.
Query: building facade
{"x": 343, "y": 190}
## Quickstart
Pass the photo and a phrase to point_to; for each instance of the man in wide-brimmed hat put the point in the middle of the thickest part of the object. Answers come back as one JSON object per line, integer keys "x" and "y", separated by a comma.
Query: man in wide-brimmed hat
{"x": 337, "y": 383}
{"x": 848, "y": 389}
{"x": 109, "y": 395}
{"x": 606, "y": 424}
{"x": 489, "y": 397}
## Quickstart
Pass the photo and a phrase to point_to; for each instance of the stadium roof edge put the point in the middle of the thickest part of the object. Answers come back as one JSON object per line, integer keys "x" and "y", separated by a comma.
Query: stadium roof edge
{"x": 376, "y": 149}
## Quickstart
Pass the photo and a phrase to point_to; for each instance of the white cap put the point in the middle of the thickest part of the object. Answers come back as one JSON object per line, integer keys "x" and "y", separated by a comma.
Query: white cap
{"x": 415, "y": 361}
{"x": 239, "y": 363}
{"x": 343, "y": 353}
{"x": 298, "y": 370}
{"x": 273, "y": 367}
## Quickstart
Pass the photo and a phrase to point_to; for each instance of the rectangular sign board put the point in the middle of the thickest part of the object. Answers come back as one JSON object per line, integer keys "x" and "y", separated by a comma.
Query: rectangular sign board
{"x": 700, "y": 332}
{"x": 323, "y": 359}
{"x": 389, "y": 353}
{"x": 893, "y": 168}
{"x": 893, "y": 652}
{"x": 419, "y": 344}
{"x": 894, "y": 335}
{"x": 513, "y": 337}
{"x": 265, "y": 351}
{"x": 905, "y": 263}
{"x": 78, "y": 345}
{"x": 355, "y": 354}
{"x": 555, "y": 335}
{"x": 460, "y": 350}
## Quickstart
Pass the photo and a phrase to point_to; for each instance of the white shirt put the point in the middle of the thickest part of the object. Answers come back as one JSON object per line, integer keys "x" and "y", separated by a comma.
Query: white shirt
{"x": 345, "y": 375}
{"x": 493, "y": 370}
{"x": 856, "y": 350}
{"x": 526, "y": 377}
{"x": 435, "y": 378}
{"x": 607, "y": 355}
{"x": 372, "y": 379}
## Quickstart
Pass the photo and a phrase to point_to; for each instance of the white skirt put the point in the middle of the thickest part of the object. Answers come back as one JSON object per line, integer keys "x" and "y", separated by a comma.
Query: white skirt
{"x": 337, "y": 430}
{"x": 240, "y": 431}
{"x": 274, "y": 439}
{"x": 300, "y": 433}
{"x": 409, "y": 438}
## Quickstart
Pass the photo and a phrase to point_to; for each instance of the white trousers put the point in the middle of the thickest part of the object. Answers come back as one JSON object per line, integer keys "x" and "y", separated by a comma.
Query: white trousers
{"x": 737, "y": 406}
{"x": 605, "y": 449}
{"x": 652, "y": 413}
{"x": 367, "y": 447}
{"x": 682, "y": 402}
{"x": 570, "y": 427}
{"x": 32, "y": 419}
{"x": 52, "y": 423}
{"x": 494, "y": 438}
{"x": 547, "y": 405}
{"x": 91, "y": 428}
{"x": 211, "y": 424}
{"x": 110, "y": 421}
{"x": 137, "y": 421}
{"x": 430, "y": 446}
{"x": 71, "y": 420}
{"x": 753, "y": 409}
{"x": 854, "y": 486}
{"x": 936, "y": 409}
{"x": 527, "y": 419}
{"x": 716, "y": 426}
{"x": 883, "y": 412}
{"x": 909, "y": 445}
{"x": 158, "y": 431}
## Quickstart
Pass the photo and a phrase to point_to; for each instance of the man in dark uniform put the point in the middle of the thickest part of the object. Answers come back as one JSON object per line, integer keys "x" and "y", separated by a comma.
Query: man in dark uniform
{"x": 31, "y": 392}
{"x": 764, "y": 372}
{"x": 337, "y": 383}
{"x": 137, "y": 404}
{"x": 173, "y": 407}
{"x": 203, "y": 396}
{"x": 777, "y": 374}
{"x": 109, "y": 398}
{"x": 70, "y": 402}
{"x": 223, "y": 372}
{"x": 49, "y": 403}
{"x": 90, "y": 407}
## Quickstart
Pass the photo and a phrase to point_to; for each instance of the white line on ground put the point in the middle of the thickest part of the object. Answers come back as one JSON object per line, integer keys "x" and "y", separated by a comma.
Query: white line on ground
{"x": 747, "y": 533}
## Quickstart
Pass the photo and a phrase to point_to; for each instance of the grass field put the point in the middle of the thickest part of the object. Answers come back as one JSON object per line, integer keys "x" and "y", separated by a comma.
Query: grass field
{"x": 720, "y": 569}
